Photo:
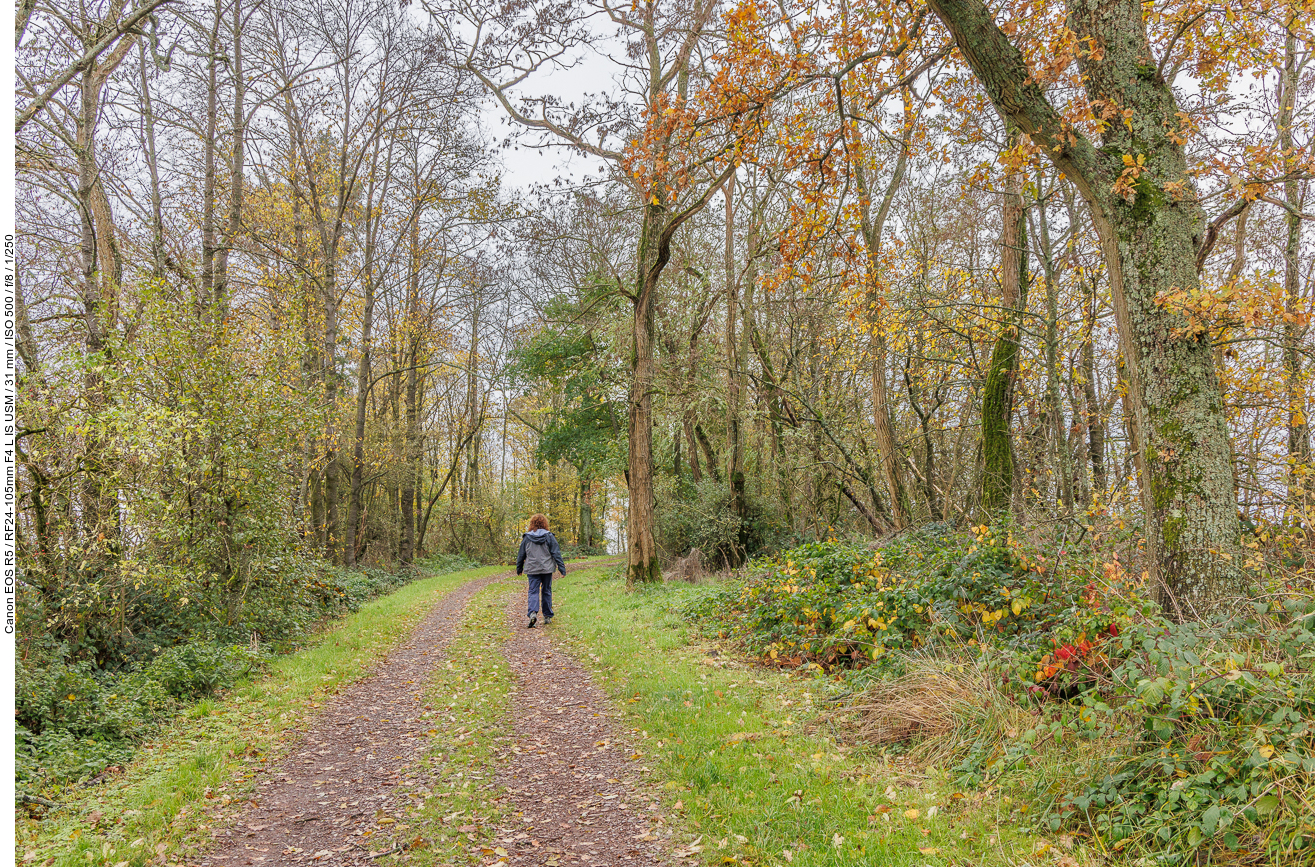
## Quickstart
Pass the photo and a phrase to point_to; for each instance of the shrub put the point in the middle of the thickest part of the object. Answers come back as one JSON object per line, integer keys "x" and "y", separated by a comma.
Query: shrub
{"x": 73, "y": 720}
{"x": 701, "y": 516}
{"x": 1219, "y": 743}
{"x": 191, "y": 671}
{"x": 845, "y": 604}
{"x": 1164, "y": 740}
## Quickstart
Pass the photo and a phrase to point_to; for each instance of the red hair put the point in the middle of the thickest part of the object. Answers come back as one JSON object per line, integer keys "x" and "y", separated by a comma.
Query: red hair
{"x": 538, "y": 522}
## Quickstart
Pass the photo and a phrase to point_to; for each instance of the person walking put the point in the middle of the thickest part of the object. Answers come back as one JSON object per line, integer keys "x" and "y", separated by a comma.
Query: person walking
{"x": 538, "y": 556}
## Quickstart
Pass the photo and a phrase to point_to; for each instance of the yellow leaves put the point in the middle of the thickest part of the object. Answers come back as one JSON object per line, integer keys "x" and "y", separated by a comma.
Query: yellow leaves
{"x": 1266, "y": 752}
{"x": 1126, "y": 185}
{"x": 911, "y": 814}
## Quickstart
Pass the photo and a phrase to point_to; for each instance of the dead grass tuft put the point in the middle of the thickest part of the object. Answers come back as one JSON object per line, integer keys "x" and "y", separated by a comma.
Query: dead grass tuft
{"x": 939, "y": 708}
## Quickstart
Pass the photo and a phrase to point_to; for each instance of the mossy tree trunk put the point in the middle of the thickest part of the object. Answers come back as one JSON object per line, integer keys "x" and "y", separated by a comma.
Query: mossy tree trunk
{"x": 1149, "y": 221}
{"x": 998, "y": 392}
{"x": 643, "y": 565}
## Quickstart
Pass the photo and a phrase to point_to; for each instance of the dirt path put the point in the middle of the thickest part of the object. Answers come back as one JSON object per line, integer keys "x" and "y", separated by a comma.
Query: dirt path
{"x": 340, "y": 779}
{"x": 576, "y": 795}
{"x": 578, "y": 792}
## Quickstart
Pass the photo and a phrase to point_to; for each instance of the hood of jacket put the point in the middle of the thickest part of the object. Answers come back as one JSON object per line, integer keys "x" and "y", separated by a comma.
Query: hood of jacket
{"x": 538, "y": 535}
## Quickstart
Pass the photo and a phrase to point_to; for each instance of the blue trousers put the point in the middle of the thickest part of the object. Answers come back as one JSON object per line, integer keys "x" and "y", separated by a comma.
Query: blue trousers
{"x": 540, "y": 583}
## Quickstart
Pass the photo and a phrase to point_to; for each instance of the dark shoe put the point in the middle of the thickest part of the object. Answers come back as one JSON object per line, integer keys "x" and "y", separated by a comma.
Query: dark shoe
{"x": 548, "y": 619}
{"x": 534, "y": 618}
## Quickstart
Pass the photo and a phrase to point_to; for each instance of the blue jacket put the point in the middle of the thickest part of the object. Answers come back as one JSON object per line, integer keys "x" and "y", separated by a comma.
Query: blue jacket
{"x": 539, "y": 553}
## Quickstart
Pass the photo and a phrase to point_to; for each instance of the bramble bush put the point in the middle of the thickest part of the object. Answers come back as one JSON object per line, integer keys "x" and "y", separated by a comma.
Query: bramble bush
{"x": 1216, "y": 734}
{"x": 845, "y": 605}
{"x": 1204, "y": 730}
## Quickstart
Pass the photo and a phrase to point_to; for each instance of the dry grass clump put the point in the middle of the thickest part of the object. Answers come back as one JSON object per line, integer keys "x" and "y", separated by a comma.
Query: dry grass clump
{"x": 939, "y": 708}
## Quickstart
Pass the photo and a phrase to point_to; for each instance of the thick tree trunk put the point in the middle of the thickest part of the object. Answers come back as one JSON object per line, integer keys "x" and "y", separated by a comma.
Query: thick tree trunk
{"x": 1149, "y": 219}
{"x": 101, "y": 267}
{"x": 643, "y": 565}
{"x": 998, "y": 391}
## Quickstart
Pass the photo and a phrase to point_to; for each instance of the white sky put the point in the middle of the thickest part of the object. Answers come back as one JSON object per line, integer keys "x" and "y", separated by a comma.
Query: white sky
{"x": 524, "y": 166}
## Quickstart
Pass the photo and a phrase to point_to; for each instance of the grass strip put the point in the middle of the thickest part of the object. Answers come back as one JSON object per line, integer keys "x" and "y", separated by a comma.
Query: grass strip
{"x": 745, "y": 770}
{"x": 469, "y": 703}
{"x": 161, "y": 809}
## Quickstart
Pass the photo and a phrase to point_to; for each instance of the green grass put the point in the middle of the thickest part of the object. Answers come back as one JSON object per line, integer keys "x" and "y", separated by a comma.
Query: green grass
{"x": 162, "y": 808}
{"x": 469, "y": 701}
{"x": 745, "y": 769}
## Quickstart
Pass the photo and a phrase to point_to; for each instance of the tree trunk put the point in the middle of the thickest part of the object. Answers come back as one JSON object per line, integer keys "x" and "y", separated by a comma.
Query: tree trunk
{"x": 208, "y": 300}
{"x": 411, "y": 438}
{"x": 1148, "y": 218}
{"x": 873, "y": 224}
{"x": 1063, "y": 463}
{"x": 642, "y": 559}
{"x": 695, "y": 471}
{"x": 473, "y": 422}
{"x": 734, "y": 375}
{"x": 998, "y": 391}
{"x": 1091, "y": 400}
{"x": 1299, "y": 452}
{"x": 101, "y": 274}
{"x": 354, "y": 529}
{"x": 586, "y": 514}
{"x": 153, "y": 167}
{"x": 333, "y": 540}
{"x": 236, "y": 168}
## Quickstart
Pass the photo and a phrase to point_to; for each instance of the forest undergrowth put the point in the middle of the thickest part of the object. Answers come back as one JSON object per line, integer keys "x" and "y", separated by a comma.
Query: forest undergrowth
{"x": 85, "y": 706}
{"x": 1025, "y": 668}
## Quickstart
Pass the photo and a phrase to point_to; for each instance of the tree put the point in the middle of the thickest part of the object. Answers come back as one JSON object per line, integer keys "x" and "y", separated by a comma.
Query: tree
{"x": 1148, "y": 217}
{"x": 998, "y": 391}
{"x": 676, "y": 149}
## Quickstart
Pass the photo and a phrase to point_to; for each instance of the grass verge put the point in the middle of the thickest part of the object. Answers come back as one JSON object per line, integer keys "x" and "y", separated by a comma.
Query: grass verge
{"x": 160, "y": 810}
{"x": 746, "y": 767}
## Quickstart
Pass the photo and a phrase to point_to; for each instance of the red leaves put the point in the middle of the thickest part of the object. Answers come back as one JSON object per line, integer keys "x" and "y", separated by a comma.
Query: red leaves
{"x": 1067, "y": 657}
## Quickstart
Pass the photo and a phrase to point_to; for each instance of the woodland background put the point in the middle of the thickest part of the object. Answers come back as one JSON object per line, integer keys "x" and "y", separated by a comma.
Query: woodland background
{"x": 284, "y": 331}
